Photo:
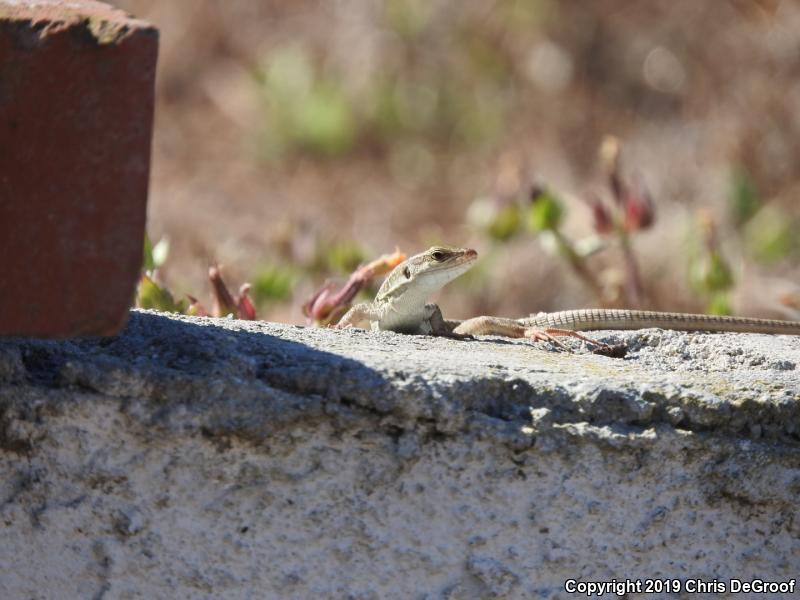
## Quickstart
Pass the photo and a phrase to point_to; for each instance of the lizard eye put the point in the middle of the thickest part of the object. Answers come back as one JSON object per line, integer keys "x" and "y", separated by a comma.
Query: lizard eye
{"x": 438, "y": 256}
{"x": 407, "y": 273}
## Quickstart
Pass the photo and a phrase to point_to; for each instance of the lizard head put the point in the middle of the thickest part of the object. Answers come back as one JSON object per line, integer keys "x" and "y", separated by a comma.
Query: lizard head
{"x": 427, "y": 272}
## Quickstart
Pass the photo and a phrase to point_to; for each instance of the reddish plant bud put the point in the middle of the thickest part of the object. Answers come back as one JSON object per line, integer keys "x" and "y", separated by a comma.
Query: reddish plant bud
{"x": 603, "y": 224}
{"x": 223, "y": 300}
{"x": 618, "y": 187}
{"x": 317, "y": 307}
{"x": 196, "y": 309}
{"x": 244, "y": 306}
{"x": 326, "y": 307}
{"x": 639, "y": 210}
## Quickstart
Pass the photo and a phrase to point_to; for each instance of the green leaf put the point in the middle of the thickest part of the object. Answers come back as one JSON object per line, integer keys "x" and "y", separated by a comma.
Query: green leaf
{"x": 152, "y": 296}
{"x": 324, "y": 122}
{"x": 744, "y": 199}
{"x": 344, "y": 257}
{"x": 506, "y": 222}
{"x": 289, "y": 76}
{"x": 272, "y": 282}
{"x": 545, "y": 213}
{"x": 719, "y": 305}
{"x": 711, "y": 274}
{"x": 304, "y": 110}
{"x": 772, "y": 235}
{"x": 148, "y": 264}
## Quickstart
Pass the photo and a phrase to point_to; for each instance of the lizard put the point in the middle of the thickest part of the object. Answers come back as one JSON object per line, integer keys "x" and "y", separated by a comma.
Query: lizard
{"x": 401, "y": 302}
{"x": 401, "y": 305}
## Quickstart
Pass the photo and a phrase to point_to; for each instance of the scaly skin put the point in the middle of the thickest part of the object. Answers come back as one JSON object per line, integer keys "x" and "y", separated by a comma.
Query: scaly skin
{"x": 602, "y": 318}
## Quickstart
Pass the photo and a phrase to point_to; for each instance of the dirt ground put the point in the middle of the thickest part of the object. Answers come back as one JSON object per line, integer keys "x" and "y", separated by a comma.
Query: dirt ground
{"x": 285, "y": 127}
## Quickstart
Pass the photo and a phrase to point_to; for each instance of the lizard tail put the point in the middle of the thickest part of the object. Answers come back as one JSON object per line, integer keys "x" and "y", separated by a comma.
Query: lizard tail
{"x": 601, "y": 318}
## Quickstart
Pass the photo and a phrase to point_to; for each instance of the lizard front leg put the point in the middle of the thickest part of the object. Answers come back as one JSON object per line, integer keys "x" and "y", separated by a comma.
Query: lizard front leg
{"x": 361, "y": 316}
{"x": 433, "y": 323}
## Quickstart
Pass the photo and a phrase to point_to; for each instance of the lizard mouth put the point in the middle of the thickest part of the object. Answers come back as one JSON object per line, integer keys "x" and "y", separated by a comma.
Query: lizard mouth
{"x": 464, "y": 257}
{"x": 464, "y": 254}
{"x": 469, "y": 256}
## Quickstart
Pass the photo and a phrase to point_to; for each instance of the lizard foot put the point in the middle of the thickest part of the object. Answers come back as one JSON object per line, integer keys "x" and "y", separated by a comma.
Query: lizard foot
{"x": 542, "y": 335}
{"x": 453, "y": 336}
{"x": 550, "y": 334}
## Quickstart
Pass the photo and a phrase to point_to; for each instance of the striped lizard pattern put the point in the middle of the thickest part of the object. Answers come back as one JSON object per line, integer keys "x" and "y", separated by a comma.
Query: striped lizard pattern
{"x": 608, "y": 318}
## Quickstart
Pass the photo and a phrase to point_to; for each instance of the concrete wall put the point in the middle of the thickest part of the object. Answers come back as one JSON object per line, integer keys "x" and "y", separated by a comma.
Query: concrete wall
{"x": 202, "y": 458}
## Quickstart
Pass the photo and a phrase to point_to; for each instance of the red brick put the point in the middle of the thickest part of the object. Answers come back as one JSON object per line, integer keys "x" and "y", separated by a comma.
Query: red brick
{"x": 76, "y": 113}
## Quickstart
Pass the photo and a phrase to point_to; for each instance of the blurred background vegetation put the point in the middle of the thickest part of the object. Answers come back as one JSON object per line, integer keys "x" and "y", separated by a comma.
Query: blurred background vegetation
{"x": 611, "y": 152}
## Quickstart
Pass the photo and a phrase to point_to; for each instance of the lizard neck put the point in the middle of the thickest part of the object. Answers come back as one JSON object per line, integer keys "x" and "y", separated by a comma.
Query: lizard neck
{"x": 404, "y": 313}
{"x": 402, "y": 298}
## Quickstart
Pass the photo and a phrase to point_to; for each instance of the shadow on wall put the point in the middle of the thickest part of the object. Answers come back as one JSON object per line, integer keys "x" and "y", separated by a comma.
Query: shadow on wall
{"x": 210, "y": 379}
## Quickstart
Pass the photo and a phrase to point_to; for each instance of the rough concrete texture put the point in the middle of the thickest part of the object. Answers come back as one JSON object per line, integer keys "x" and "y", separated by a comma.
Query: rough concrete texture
{"x": 76, "y": 112}
{"x": 208, "y": 458}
